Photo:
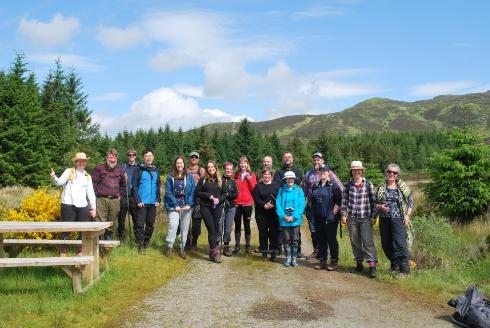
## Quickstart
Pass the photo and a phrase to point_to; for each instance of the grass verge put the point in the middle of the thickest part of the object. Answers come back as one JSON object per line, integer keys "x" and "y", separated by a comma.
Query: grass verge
{"x": 43, "y": 297}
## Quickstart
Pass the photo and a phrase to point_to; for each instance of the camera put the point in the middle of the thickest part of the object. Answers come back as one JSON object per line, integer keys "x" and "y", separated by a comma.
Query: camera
{"x": 289, "y": 210}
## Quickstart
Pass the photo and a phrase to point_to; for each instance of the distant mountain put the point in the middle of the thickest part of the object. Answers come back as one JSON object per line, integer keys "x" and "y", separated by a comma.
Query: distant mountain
{"x": 381, "y": 114}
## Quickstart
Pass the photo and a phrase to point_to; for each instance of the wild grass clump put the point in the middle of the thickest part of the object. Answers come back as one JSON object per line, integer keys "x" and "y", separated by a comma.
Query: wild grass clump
{"x": 10, "y": 197}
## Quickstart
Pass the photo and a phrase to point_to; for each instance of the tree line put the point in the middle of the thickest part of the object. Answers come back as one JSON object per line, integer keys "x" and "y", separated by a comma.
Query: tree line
{"x": 42, "y": 125}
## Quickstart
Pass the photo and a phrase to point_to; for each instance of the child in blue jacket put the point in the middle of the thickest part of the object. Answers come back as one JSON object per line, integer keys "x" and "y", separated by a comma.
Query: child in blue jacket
{"x": 290, "y": 205}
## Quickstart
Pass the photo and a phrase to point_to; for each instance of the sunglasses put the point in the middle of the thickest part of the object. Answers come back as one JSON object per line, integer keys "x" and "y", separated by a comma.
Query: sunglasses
{"x": 195, "y": 157}
{"x": 392, "y": 172}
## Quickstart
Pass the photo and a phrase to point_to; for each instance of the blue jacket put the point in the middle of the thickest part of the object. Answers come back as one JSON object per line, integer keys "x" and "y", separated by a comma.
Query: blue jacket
{"x": 146, "y": 185}
{"x": 293, "y": 198}
{"x": 170, "y": 201}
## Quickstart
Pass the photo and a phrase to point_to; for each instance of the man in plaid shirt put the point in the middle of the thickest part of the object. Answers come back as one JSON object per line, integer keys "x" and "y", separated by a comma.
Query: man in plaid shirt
{"x": 358, "y": 212}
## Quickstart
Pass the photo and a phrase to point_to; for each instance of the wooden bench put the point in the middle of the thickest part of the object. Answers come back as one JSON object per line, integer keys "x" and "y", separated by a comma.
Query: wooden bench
{"x": 15, "y": 246}
{"x": 72, "y": 266}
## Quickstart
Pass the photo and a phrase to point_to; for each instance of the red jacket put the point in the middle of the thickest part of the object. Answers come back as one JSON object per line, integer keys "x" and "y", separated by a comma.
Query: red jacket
{"x": 245, "y": 189}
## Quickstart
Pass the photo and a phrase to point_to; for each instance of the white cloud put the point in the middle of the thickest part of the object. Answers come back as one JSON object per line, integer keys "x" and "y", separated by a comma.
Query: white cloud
{"x": 109, "y": 96}
{"x": 79, "y": 62}
{"x": 189, "y": 90}
{"x": 160, "y": 107}
{"x": 58, "y": 31}
{"x": 442, "y": 88}
{"x": 120, "y": 38}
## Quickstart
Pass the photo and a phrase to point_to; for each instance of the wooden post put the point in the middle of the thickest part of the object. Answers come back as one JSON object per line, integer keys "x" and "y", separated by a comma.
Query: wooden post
{"x": 2, "y": 252}
{"x": 90, "y": 243}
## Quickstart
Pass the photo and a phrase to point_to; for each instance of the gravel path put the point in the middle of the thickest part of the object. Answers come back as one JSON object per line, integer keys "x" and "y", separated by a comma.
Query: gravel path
{"x": 251, "y": 292}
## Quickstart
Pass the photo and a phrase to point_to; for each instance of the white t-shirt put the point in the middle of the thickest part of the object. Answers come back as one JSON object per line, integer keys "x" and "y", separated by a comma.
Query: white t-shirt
{"x": 78, "y": 190}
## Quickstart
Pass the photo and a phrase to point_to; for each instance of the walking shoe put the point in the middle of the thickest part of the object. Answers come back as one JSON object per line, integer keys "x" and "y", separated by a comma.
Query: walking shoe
{"x": 333, "y": 265}
{"x": 372, "y": 272}
{"x": 227, "y": 250}
{"x": 215, "y": 255}
{"x": 321, "y": 266}
{"x": 312, "y": 255}
{"x": 359, "y": 268}
{"x": 236, "y": 249}
{"x": 247, "y": 249}
{"x": 264, "y": 254}
{"x": 182, "y": 253}
{"x": 393, "y": 267}
{"x": 274, "y": 255}
{"x": 141, "y": 248}
{"x": 170, "y": 251}
{"x": 257, "y": 250}
{"x": 294, "y": 254}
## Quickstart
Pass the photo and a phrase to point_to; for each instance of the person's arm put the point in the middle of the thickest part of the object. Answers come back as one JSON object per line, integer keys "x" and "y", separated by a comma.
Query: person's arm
{"x": 345, "y": 202}
{"x": 192, "y": 190}
{"x": 63, "y": 178}
{"x": 169, "y": 193}
{"x": 335, "y": 180}
{"x": 300, "y": 206}
{"x": 279, "y": 207}
{"x": 122, "y": 181}
{"x": 251, "y": 181}
{"x": 135, "y": 187}
{"x": 233, "y": 192}
{"x": 258, "y": 201}
{"x": 158, "y": 198}
{"x": 372, "y": 200}
{"x": 96, "y": 177}
{"x": 91, "y": 194}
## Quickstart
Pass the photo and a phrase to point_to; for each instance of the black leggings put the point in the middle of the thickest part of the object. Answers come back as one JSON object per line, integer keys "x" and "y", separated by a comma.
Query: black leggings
{"x": 246, "y": 211}
{"x": 211, "y": 217}
{"x": 71, "y": 213}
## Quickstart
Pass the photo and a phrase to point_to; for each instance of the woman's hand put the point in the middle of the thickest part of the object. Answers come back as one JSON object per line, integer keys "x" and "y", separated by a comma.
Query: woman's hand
{"x": 177, "y": 209}
{"x": 186, "y": 207}
{"x": 344, "y": 220}
{"x": 52, "y": 174}
{"x": 91, "y": 212}
{"x": 140, "y": 205}
{"x": 406, "y": 220}
{"x": 383, "y": 208}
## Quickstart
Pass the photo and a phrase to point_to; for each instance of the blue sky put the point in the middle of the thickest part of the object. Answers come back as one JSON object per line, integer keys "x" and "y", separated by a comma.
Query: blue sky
{"x": 148, "y": 63}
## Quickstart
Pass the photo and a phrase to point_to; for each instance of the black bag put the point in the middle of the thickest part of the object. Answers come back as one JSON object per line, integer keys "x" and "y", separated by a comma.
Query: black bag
{"x": 472, "y": 309}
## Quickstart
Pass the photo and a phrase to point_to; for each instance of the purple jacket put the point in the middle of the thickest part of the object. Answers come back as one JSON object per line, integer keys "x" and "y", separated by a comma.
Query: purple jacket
{"x": 107, "y": 182}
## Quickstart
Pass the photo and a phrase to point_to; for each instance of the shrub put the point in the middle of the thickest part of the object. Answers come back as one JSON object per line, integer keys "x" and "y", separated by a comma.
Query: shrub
{"x": 41, "y": 206}
{"x": 459, "y": 177}
{"x": 434, "y": 241}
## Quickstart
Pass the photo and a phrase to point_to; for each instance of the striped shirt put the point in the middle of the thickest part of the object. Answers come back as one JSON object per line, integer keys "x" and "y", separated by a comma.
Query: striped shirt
{"x": 358, "y": 202}
{"x": 107, "y": 182}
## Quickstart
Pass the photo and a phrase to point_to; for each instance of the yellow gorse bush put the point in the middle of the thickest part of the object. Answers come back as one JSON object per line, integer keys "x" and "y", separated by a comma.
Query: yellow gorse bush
{"x": 41, "y": 206}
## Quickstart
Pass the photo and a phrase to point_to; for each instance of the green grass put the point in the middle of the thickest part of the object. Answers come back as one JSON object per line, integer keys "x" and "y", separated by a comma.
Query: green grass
{"x": 43, "y": 297}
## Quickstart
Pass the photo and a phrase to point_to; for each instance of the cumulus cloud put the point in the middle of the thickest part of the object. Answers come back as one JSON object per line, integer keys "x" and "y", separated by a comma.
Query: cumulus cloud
{"x": 442, "y": 88}
{"x": 120, "y": 38}
{"x": 160, "y": 107}
{"x": 79, "y": 62}
{"x": 58, "y": 31}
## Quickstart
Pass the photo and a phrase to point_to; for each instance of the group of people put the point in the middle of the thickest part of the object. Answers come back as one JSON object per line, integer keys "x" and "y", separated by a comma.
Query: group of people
{"x": 194, "y": 194}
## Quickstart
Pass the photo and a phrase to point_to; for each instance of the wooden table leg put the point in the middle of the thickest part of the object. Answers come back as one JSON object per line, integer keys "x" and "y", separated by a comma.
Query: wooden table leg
{"x": 90, "y": 242}
{"x": 2, "y": 252}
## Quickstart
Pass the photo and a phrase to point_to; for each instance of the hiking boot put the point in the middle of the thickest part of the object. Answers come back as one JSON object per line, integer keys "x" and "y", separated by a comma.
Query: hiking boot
{"x": 227, "y": 250}
{"x": 247, "y": 250}
{"x": 182, "y": 253}
{"x": 287, "y": 252}
{"x": 257, "y": 250}
{"x": 333, "y": 265}
{"x": 294, "y": 253}
{"x": 372, "y": 272}
{"x": 312, "y": 255}
{"x": 321, "y": 266}
{"x": 141, "y": 248}
{"x": 170, "y": 251}
{"x": 405, "y": 268}
{"x": 264, "y": 254}
{"x": 236, "y": 249}
{"x": 215, "y": 255}
{"x": 359, "y": 268}
{"x": 394, "y": 267}
{"x": 274, "y": 255}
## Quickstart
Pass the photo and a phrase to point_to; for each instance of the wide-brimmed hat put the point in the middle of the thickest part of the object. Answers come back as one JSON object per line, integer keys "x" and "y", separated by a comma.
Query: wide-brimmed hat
{"x": 289, "y": 174}
{"x": 356, "y": 165}
{"x": 80, "y": 157}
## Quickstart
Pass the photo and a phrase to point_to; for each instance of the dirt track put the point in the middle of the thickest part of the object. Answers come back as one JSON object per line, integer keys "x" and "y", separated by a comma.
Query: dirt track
{"x": 243, "y": 293}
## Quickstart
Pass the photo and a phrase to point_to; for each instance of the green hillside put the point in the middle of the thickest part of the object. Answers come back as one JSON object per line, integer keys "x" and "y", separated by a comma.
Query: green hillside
{"x": 381, "y": 114}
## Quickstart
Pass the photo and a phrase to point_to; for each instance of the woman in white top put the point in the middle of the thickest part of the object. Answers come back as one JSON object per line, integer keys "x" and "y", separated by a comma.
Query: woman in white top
{"x": 78, "y": 197}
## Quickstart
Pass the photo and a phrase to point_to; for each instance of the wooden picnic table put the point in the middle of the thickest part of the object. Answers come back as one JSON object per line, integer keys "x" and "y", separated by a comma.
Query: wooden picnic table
{"x": 90, "y": 238}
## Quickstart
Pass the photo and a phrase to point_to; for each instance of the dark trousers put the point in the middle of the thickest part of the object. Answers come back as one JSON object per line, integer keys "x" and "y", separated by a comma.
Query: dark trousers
{"x": 291, "y": 235}
{"x": 145, "y": 219}
{"x": 312, "y": 226}
{"x": 246, "y": 212}
{"x": 268, "y": 224}
{"x": 211, "y": 217}
{"x": 71, "y": 213}
{"x": 196, "y": 229}
{"x": 327, "y": 239}
{"x": 124, "y": 208}
{"x": 393, "y": 240}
